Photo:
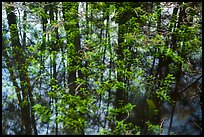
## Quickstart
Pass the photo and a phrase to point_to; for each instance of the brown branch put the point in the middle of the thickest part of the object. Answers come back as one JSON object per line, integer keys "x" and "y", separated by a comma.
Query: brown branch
{"x": 78, "y": 86}
{"x": 162, "y": 125}
{"x": 197, "y": 125}
{"x": 127, "y": 115}
{"x": 67, "y": 86}
{"x": 191, "y": 85}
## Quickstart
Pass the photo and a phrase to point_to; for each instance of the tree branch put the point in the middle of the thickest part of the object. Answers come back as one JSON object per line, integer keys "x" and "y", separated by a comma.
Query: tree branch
{"x": 191, "y": 85}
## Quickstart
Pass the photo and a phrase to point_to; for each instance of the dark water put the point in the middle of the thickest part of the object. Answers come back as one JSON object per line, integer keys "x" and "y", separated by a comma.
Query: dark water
{"x": 187, "y": 119}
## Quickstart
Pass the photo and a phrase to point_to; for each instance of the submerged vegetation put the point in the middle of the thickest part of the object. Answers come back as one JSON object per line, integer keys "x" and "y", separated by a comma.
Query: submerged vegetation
{"x": 103, "y": 68}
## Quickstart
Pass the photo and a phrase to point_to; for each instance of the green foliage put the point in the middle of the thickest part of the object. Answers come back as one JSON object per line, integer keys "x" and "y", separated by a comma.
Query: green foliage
{"x": 43, "y": 112}
{"x": 163, "y": 92}
{"x": 125, "y": 109}
{"x": 98, "y": 50}
{"x": 124, "y": 129}
{"x": 151, "y": 108}
{"x": 153, "y": 128}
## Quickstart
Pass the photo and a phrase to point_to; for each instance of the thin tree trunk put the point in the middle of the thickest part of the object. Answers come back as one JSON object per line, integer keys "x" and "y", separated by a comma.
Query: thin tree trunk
{"x": 22, "y": 68}
{"x": 178, "y": 73}
{"x": 120, "y": 93}
{"x": 109, "y": 66}
{"x": 54, "y": 47}
{"x": 74, "y": 47}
